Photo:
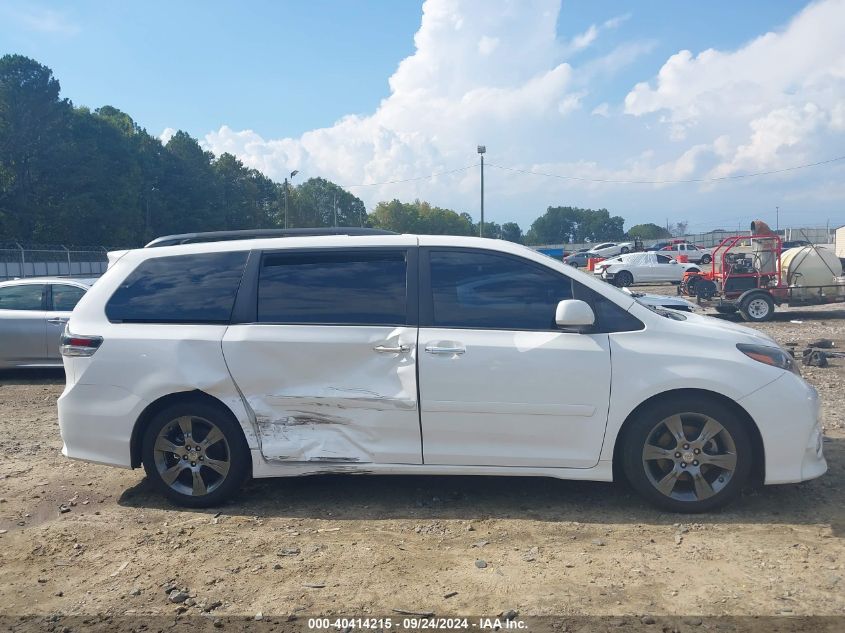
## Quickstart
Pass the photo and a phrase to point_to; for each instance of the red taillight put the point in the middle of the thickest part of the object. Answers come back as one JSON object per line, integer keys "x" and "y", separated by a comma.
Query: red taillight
{"x": 77, "y": 345}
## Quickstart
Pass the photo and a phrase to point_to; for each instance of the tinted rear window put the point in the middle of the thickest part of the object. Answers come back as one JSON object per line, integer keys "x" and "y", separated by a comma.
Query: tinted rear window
{"x": 343, "y": 288}
{"x": 179, "y": 289}
{"x": 22, "y": 297}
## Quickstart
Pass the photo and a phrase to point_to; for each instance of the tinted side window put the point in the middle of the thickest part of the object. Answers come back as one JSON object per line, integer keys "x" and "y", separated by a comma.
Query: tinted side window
{"x": 664, "y": 259}
{"x": 23, "y": 297}
{"x": 489, "y": 291}
{"x": 179, "y": 289}
{"x": 360, "y": 287}
{"x": 66, "y": 297}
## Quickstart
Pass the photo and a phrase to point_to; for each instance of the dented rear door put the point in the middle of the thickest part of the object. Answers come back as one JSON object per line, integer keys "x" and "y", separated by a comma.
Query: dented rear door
{"x": 327, "y": 359}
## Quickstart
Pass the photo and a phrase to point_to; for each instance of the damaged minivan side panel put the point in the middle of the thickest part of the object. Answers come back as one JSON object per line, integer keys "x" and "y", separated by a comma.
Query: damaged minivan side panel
{"x": 323, "y": 394}
{"x": 324, "y": 349}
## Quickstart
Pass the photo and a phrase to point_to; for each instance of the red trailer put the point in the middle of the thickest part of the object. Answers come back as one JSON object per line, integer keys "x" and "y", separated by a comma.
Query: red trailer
{"x": 745, "y": 276}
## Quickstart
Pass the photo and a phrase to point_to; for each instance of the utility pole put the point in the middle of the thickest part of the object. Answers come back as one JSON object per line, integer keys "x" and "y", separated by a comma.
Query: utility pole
{"x": 335, "y": 210}
{"x": 481, "y": 150}
{"x": 287, "y": 186}
{"x": 777, "y": 219}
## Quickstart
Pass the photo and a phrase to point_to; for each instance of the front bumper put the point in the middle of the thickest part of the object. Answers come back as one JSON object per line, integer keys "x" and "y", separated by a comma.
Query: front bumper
{"x": 787, "y": 414}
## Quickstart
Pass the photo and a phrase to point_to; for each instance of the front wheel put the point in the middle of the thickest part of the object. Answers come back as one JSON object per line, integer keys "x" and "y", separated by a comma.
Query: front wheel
{"x": 687, "y": 455}
{"x": 195, "y": 454}
{"x": 625, "y": 250}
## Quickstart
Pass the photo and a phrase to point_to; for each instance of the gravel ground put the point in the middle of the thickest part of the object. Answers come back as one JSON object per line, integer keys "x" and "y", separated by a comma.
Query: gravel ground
{"x": 78, "y": 539}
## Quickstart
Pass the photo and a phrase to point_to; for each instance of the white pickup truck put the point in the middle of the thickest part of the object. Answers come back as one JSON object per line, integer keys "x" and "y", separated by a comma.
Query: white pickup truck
{"x": 693, "y": 253}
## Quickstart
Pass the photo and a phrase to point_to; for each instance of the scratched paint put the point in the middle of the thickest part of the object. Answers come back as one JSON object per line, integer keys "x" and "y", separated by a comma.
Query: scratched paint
{"x": 323, "y": 394}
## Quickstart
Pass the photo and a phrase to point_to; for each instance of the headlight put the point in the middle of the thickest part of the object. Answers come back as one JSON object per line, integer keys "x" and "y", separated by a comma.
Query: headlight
{"x": 774, "y": 356}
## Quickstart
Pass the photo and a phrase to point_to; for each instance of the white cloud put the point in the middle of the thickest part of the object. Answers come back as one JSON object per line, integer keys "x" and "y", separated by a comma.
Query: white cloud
{"x": 166, "y": 134}
{"x": 778, "y": 98}
{"x": 45, "y": 21}
{"x": 478, "y": 75}
{"x": 492, "y": 72}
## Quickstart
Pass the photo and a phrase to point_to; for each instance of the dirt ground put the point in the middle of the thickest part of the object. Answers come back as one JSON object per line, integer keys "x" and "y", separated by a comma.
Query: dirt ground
{"x": 83, "y": 540}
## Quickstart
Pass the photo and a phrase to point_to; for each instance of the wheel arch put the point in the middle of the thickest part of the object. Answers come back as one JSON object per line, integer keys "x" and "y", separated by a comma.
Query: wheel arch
{"x": 758, "y": 457}
{"x": 155, "y": 407}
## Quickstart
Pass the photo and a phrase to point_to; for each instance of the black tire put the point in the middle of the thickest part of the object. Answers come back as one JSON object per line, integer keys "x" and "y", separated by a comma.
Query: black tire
{"x": 625, "y": 250}
{"x": 726, "y": 309}
{"x": 757, "y": 307}
{"x": 706, "y": 259}
{"x": 231, "y": 449}
{"x": 573, "y": 264}
{"x": 623, "y": 279}
{"x": 692, "y": 483}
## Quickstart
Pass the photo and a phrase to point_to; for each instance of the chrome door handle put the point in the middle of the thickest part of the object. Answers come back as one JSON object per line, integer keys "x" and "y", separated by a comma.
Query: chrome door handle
{"x": 433, "y": 349}
{"x": 57, "y": 320}
{"x": 385, "y": 349}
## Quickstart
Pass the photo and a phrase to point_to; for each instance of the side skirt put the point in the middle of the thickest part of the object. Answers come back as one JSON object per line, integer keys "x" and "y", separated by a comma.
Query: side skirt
{"x": 603, "y": 471}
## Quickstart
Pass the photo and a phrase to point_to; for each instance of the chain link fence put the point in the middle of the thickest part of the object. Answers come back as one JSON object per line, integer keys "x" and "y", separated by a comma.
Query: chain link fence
{"x": 17, "y": 261}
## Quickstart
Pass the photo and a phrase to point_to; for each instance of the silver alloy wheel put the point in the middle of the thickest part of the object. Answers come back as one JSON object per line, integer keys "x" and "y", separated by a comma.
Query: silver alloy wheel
{"x": 192, "y": 455}
{"x": 758, "y": 308}
{"x": 689, "y": 469}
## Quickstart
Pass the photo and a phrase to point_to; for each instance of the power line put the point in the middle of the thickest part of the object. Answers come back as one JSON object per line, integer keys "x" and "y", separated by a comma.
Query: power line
{"x": 394, "y": 182}
{"x": 667, "y": 182}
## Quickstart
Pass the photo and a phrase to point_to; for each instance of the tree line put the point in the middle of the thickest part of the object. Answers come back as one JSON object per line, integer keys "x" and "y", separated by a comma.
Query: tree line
{"x": 72, "y": 175}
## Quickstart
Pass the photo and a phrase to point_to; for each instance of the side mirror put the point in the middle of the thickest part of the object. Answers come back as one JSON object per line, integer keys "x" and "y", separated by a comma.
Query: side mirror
{"x": 574, "y": 313}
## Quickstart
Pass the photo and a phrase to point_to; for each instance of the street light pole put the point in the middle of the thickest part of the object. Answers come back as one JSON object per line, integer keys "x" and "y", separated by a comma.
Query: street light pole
{"x": 287, "y": 186}
{"x": 481, "y": 150}
{"x": 777, "y": 219}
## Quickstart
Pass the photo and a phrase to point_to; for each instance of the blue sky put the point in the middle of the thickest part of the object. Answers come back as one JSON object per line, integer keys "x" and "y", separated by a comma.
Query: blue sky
{"x": 549, "y": 87}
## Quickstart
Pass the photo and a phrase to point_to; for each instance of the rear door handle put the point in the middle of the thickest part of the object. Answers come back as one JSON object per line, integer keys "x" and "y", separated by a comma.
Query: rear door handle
{"x": 435, "y": 349}
{"x": 386, "y": 349}
{"x": 57, "y": 320}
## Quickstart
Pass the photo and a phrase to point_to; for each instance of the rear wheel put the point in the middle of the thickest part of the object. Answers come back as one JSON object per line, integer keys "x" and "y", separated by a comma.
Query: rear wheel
{"x": 195, "y": 454}
{"x": 757, "y": 307}
{"x": 623, "y": 279}
{"x": 687, "y": 455}
{"x": 706, "y": 259}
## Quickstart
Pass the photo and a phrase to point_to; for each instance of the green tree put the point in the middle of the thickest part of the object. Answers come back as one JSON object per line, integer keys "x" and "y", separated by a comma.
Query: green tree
{"x": 320, "y": 202}
{"x": 33, "y": 120}
{"x": 562, "y": 225}
{"x": 511, "y": 232}
{"x": 421, "y": 218}
{"x": 648, "y": 231}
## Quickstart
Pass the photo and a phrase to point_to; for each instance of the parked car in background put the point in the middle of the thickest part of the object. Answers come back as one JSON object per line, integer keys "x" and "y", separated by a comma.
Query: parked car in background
{"x": 692, "y": 252}
{"x": 659, "y": 245}
{"x": 213, "y": 362}
{"x": 662, "y": 301}
{"x": 578, "y": 260}
{"x": 33, "y": 313}
{"x": 637, "y": 268}
{"x": 609, "y": 249}
{"x": 795, "y": 244}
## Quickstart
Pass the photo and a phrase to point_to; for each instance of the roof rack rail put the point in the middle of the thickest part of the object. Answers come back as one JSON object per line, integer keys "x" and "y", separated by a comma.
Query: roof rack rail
{"x": 256, "y": 234}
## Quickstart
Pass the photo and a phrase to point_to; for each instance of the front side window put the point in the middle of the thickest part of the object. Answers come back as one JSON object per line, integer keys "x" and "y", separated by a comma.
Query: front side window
{"x": 663, "y": 259}
{"x": 23, "y": 297}
{"x": 489, "y": 291}
{"x": 66, "y": 297}
{"x": 179, "y": 289}
{"x": 355, "y": 287}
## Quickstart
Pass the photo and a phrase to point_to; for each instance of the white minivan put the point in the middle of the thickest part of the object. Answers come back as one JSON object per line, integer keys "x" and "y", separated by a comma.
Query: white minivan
{"x": 214, "y": 361}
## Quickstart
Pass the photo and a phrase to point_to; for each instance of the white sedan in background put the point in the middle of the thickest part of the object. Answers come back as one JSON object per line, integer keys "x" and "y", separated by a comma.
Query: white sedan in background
{"x": 609, "y": 249}
{"x": 641, "y": 268}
